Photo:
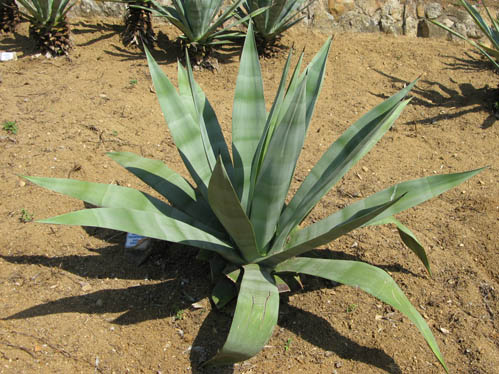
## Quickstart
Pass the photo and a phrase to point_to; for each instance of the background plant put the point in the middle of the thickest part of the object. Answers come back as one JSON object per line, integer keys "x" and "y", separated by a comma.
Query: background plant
{"x": 279, "y": 16}
{"x": 10, "y": 127}
{"x": 48, "y": 25}
{"x": 138, "y": 25}
{"x": 491, "y": 32}
{"x": 236, "y": 214}
{"x": 9, "y": 15}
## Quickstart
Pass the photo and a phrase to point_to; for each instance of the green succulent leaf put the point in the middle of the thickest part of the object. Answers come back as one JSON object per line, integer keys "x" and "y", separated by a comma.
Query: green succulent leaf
{"x": 279, "y": 16}
{"x": 169, "y": 184}
{"x": 248, "y": 118}
{"x": 226, "y": 206}
{"x": 277, "y": 169}
{"x": 223, "y": 293}
{"x": 254, "y": 319}
{"x": 326, "y": 230}
{"x": 491, "y": 32}
{"x": 335, "y": 163}
{"x": 416, "y": 192}
{"x": 149, "y": 224}
{"x": 185, "y": 132}
{"x": 368, "y": 278}
{"x": 408, "y": 238}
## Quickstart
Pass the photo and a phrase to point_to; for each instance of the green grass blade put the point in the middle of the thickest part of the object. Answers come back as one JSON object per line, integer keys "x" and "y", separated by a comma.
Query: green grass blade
{"x": 225, "y": 203}
{"x": 248, "y": 117}
{"x": 339, "y": 158}
{"x": 149, "y": 224}
{"x": 277, "y": 169}
{"x": 326, "y": 230}
{"x": 256, "y": 315}
{"x": 185, "y": 132}
{"x": 370, "y": 279}
{"x": 167, "y": 183}
{"x": 408, "y": 238}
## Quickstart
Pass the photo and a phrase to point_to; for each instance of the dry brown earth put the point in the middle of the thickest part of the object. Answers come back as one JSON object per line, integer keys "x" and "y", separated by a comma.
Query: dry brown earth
{"x": 71, "y": 302}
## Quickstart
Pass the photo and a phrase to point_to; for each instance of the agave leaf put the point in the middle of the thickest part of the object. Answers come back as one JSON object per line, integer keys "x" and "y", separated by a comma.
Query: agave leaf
{"x": 408, "y": 238}
{"x": 369, "y": 278}
{"x": 113, "y": 196}
{"x": 326, "y": 230}
{"x": 338, "y": 159}
{"x": 277, "y": 169}
{"x": 168, "y": 183}
{"x": 225, "y": 203}
{"x": 185, "y": 132}
{"x": 227, "y": 14}
{"x": 223, "y": 293}
{"x": 416, "y": 192}
{"x": 474, "y": 44}
{"x": 104, "y": 195}
{"x": 254, "y": 319}
{"x": 224, "y": 31}
{"x": 271, "y": 119}
{"x": 315, "y": 76}
{"x": 149, "y": 224}
{"x": 200, "y": 14}
{"x": 210, "y": 127}
{"x": 248, "y": 117}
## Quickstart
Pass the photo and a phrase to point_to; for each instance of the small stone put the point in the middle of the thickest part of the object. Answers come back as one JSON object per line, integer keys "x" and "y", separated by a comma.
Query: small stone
{"x": 99, "y": 302}
{"x": 338, "y": 364}
{"x": 433, "y": 10}
{"x": 365, "y": 169}
{"x": 443, "y": 330}
{"x": 22, "y": 183}
{"x": 328, "y": 353}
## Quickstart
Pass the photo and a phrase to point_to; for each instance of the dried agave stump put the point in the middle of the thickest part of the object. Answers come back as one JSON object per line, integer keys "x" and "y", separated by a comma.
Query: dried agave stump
{"x": 52, "y": 40}
{"x": 200, "y": 56}
{"x": 9, "y": 16}
{"x": 138, "y": 26}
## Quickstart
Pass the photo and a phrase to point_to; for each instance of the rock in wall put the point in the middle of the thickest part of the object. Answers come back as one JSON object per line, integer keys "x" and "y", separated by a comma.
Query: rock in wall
{"x": 396, "y": 17}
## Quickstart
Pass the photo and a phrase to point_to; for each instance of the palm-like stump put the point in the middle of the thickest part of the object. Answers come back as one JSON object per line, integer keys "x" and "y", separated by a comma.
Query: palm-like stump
{"x": 9, "y": 15}
{"x": 138, "y": 25}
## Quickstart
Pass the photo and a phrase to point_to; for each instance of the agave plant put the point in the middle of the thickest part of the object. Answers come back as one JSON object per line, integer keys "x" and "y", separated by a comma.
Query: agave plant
{"x": 491, "y": 32}
{"x": 279, "y": 16}
{"x": 9, "y": 15}
{"x": 48, "y": 24}
{"x": 201, "y": 21}
{"x": 237, "y": 213}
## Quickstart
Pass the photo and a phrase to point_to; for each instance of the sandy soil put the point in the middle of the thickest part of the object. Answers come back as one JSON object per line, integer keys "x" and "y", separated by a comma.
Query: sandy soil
{"x": 73, "y": 302}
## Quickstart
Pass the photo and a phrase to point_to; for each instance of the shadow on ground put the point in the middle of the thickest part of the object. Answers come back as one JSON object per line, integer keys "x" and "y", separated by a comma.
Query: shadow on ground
{"x": 466, "y": 99}
{"x": 178, "y": 269}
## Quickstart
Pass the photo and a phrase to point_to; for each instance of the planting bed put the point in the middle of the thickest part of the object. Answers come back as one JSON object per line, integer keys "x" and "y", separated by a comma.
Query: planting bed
{"x": 72, "y": 300}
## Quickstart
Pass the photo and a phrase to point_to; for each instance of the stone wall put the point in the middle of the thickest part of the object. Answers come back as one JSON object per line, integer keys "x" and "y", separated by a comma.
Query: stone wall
{"x": 397, "y": 17}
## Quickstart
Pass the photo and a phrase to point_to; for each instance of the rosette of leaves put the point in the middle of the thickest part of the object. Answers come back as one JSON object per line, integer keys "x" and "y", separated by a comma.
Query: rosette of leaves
{"x": 203, "y": 23}
{"x": 279, "y": 16}
{"x": 9, "y": 15}
{"x": 491, "y": 32}
{"x": 235, "y": 211}
{"x": 48, "y": 25}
